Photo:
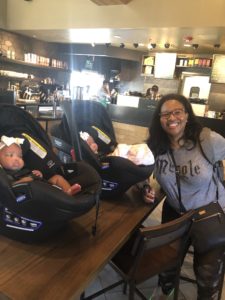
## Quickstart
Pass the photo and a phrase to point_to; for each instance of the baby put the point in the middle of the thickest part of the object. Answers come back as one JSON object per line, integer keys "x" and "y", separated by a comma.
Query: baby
{"x": 12, "y": 162}
{"x": 139, "y": 154}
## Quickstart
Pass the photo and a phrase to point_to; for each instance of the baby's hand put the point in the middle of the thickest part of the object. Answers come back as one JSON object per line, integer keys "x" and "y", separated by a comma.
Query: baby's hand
{"x": 37, "y": 173}
{"x": 148, "y": 194}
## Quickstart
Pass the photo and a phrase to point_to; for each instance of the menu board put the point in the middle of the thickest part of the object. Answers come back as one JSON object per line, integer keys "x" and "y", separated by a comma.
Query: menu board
{"x": 218, "y": 69}
{"x": 165, "y": 65}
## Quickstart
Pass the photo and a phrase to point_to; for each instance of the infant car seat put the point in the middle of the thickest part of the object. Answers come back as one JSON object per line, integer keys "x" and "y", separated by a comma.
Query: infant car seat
{"x": 118, "y": 174}
{"x": 33, "y": 211}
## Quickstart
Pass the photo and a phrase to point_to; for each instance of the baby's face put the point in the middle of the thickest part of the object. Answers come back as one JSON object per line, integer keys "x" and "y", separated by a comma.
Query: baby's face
{"x": 11, "y": 157}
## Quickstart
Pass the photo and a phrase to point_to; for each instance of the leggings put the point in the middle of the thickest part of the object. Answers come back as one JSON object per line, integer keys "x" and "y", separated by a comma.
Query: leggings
{"x": 208, "y": 267}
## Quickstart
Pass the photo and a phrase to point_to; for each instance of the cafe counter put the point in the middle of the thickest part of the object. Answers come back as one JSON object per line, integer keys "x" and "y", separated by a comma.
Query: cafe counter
{"x": 142, "y": 116}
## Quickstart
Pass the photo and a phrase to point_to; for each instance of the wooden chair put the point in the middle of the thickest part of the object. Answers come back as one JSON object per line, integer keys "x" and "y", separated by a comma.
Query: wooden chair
{"x": 150, "y": 251}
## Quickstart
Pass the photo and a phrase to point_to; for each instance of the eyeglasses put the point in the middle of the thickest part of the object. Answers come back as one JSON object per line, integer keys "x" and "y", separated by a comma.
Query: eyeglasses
{"x": 177, "y": 113}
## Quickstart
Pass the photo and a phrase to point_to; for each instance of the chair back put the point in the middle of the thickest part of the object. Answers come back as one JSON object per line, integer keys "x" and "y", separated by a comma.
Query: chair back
{"x": 154, "y": 249}
{"x": 164, "y": 234}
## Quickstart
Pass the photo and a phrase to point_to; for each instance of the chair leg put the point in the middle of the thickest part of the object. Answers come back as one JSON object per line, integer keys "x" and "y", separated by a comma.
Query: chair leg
{"x": 125, "y": 288}
{"x": 131, "y": 290}
{"x": 177, "y": 283}
{"x": 187, "y": 279}
{"x": 112, "y": 286}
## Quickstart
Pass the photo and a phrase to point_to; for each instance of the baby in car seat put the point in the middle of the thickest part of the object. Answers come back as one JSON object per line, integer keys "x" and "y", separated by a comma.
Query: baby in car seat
{"x": 12, "y": 162}
{"x": 139, "y": 154}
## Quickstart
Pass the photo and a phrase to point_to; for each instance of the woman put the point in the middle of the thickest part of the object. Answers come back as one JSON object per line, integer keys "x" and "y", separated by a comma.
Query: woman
{"x": 176, "y": 132}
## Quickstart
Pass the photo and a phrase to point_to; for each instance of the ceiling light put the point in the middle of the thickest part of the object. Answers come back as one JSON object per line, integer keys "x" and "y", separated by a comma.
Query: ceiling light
{"x": 135, "y": 45}
{"x": 122, "y": 45}
{"x": 187, "y": 45}
{"x": 99, "y": 36}
{"x": 217, "y": 46}
{"x": 153, "y": 45}
{"x": 195, "y": 46}
{"x": 149, "y": 46}
{"x": 117, "y": 37}
{"x": 188, "y": 39}
{"x": 167, "y": 45}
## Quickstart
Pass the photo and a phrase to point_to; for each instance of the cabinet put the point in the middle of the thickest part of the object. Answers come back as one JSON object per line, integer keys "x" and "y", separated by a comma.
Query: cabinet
{"x": 199, "y": 63}
{"x": 148, "y": 63}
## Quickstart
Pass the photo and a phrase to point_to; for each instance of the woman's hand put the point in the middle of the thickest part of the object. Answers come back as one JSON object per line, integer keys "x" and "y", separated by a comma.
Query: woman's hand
{"x": 148, "y": 194}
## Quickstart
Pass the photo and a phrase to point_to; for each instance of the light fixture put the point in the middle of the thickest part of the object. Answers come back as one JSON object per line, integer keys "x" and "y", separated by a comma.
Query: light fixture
{"x": 188, "y": 39}
{"x": 135, "y": 45}
{"x": 153, "y": 45}
{"x": 122, "y": 45}
{"x": 217, "y": 46}
{"x": 167, "y": 45}
{"x": 195, "y": 46}
{"x": 108, "y": 45}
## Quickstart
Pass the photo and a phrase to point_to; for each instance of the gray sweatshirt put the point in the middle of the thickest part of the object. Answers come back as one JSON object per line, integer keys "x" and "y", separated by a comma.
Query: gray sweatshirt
{"x": 196, "y": 174}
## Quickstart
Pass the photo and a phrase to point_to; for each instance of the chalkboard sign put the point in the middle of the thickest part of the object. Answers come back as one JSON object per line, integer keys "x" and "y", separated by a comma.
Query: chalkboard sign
{"x": 218, "y": 69}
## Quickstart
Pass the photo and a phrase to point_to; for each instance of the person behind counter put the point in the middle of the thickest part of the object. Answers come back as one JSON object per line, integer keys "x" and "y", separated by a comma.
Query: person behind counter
{"x": 104, "y": 94}
{"x": 174, "y": 138}
{"x": 153, "y": 93}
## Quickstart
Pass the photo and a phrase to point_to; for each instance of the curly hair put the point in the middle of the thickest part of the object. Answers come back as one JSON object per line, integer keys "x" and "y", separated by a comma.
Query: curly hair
{"x": 158, "y": 140}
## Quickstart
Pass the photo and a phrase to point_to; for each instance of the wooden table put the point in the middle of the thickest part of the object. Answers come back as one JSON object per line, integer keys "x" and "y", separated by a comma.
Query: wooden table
{"x": 64, "y": 266}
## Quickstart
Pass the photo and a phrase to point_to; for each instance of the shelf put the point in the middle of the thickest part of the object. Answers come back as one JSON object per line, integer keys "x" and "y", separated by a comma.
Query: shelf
{"x": 23, "y": 63}
{"x": 146, "y": 75}
{"x": 12, "y": 78}
{"x": 193, "y": 67}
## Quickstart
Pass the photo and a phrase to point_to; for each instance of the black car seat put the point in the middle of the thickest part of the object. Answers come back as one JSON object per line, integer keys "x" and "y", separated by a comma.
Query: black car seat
{"x": 118, "y": 174}
{"x": 33, "y": 211}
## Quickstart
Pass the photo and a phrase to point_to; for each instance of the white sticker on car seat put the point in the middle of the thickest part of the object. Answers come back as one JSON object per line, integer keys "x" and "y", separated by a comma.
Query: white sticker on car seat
{"x": 102, "y": 136}
{"x": 35, "y": 146}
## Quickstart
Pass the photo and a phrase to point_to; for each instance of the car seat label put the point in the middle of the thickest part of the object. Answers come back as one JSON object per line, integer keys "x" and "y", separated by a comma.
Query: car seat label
{"x": 102, "y": 136}
{"x": 35, "y": 146}
{"x": 18, "y": 222}
{"x": 109, "y": 185}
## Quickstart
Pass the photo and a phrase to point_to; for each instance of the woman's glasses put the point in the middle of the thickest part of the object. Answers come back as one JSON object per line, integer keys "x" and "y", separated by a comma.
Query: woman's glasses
{"x": 177, "y": 113}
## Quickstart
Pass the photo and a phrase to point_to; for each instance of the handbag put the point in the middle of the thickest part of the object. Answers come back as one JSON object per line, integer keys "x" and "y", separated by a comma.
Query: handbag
{"x": 208, "y": 223}
{"x": 208, "y": 228}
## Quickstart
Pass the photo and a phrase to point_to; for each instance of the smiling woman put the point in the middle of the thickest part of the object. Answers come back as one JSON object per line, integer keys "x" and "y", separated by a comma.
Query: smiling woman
{"x": 173, "y": 119}
{"x": 176, "y": 139}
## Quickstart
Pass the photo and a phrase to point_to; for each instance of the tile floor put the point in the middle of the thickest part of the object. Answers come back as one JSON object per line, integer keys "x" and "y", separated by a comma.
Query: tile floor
{"x": 108, "y": 276}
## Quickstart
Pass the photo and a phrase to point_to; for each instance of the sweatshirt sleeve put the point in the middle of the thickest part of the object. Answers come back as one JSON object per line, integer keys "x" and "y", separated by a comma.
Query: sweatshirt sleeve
{"x": 213, "y": 145}
{"x": 217, "y": 142}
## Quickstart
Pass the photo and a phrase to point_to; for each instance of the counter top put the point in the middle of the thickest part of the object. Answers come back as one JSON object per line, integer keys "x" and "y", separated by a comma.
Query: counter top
{"x": 143, "y": 117}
